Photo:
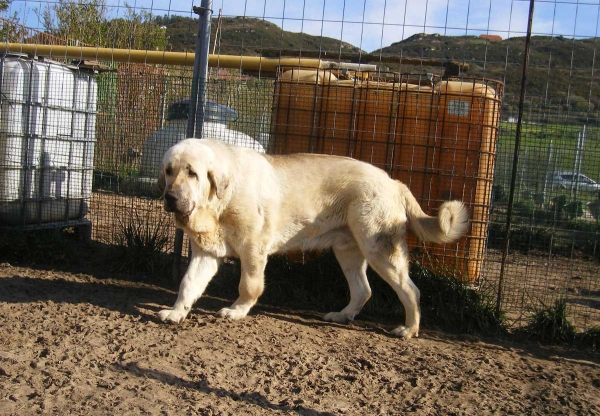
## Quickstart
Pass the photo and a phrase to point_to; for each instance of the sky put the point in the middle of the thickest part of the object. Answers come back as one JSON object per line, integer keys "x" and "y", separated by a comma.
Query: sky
{"x": 372, "y": 24}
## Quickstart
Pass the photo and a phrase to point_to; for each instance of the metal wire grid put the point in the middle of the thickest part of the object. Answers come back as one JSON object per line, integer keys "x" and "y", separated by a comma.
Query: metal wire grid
{"x": 554, "y": 241}
{"x": 553, "y": 252}
{"x": 440, "y": 142}
{"x": 129, "y": 153}
{"x": 47, "y": 130}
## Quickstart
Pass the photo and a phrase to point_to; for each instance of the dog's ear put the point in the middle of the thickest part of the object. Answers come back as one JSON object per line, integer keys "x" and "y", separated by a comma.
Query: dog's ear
{"x": 219, "y": 180}
{"x": 161, "y": 182}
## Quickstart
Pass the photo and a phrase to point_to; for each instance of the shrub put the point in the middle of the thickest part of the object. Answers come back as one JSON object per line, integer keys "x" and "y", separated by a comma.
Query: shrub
{"x": 549, "y": 325}
{"x": 142, "y": 242}
{"x": 549, "y": 237}
{"x": 454, "y": 305}
{"x": 525, "y": 208}
{"x": 589, "y": 339}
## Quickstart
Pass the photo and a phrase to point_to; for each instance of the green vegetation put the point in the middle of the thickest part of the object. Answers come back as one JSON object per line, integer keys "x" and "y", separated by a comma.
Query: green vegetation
{"x": 589, "y": 338}
{"x": 549, "y": 325}
{"x": 561, "y": 70}
{"x": 88, "y": 21}
{"x": 10, "y": 30}
{"x": 251, "y": 98}
{"x": 558, "y": 238}
{"x": 142, "y": 242}
{"x": 549, "y": 147}
{"x": 564, "y": 79}
{"x": 247, "y": 36}
{"x": 544, "y": 218}
{"x": 553, "y": 69}
{"x": 452, "y": 304}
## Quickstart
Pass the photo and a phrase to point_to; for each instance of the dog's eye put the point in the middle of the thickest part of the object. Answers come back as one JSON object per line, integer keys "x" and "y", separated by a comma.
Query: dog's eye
{"x": 192, "y": 175}
{"x": 168, "y": 171}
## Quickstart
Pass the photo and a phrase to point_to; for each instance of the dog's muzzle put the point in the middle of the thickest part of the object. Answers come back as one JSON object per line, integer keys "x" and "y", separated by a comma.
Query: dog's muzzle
{"x": 173, "y": 203}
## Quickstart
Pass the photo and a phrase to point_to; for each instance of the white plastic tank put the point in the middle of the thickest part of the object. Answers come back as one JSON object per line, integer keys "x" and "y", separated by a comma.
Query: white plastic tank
{"x": 216, "y": 117}
{"x": 47, "y": 133}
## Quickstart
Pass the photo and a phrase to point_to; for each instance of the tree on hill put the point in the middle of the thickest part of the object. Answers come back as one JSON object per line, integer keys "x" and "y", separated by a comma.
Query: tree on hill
{"x": 10, "y": 30}
{"x": 88, "y": 21}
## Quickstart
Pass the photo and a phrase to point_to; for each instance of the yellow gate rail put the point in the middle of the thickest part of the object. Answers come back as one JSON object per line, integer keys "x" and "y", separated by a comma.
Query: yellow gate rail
{"x": 245, "y": 63}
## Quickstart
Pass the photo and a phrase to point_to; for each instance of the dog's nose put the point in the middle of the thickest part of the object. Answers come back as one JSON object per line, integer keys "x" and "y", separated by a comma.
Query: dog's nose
{"x": 170, "y": 199}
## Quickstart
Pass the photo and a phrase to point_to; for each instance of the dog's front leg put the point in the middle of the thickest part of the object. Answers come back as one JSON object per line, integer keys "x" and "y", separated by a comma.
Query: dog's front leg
{"x": 252, "y": 284}
{"x": 201, "y": 270}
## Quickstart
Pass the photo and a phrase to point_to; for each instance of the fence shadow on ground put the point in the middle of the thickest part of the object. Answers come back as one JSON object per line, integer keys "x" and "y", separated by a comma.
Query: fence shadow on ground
{"x": 253, "y": 398}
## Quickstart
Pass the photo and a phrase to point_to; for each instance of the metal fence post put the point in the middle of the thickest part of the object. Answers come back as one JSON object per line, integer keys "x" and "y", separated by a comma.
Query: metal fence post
{"x": 511, "y": 196}
{"x": 197, "y": 100}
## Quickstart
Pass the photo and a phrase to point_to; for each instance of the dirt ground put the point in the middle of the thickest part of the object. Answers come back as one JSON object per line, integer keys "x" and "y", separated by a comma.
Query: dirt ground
{"x": 75, "y": 344}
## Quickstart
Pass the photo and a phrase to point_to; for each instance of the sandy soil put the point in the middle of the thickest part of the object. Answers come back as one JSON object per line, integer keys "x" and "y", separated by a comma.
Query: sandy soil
{"x": 80, "y": 345}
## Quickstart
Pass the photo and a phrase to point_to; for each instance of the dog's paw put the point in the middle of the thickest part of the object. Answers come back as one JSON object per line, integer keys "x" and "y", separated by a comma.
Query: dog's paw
{"x": 232, "y": 313}
{"x": 338, "y": 317}
{"x": 406, "y": 333}
{"x": 171, "y": 316}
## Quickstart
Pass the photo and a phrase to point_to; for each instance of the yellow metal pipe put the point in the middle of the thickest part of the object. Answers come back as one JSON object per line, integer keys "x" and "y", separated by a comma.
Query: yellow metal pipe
{"x": 246, "y": 63}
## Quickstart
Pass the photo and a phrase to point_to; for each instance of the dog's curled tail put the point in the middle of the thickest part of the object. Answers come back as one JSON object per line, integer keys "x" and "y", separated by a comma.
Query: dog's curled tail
{"x": 450, "y": 224}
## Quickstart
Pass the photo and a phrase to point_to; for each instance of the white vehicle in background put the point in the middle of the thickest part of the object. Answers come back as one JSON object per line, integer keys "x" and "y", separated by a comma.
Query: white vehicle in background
{"x": 571, "y": 180}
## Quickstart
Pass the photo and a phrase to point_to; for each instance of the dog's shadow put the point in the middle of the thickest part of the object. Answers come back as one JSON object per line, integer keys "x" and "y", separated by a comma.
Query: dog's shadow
{"x": 144, "y": 300}
{"x": 114, "y": 295}
{"x": 207, "y": 306}
{"x": 130, "y": 299}
{"x": 315, "y": 319}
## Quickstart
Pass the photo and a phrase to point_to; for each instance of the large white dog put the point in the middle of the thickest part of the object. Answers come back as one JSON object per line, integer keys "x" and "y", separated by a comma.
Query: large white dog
{"x": 235, "y": 202}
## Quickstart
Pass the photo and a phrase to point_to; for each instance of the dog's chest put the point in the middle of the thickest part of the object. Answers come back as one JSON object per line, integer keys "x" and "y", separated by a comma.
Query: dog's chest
{"x": 207, "y": 234}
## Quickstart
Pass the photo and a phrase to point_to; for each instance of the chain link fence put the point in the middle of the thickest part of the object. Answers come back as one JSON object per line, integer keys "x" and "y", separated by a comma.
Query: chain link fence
{"x": 81, "y": 143}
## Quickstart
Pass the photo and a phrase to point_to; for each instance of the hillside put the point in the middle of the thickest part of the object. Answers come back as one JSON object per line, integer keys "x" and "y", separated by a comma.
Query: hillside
{"x": 247, "y": 36}
{"x": 559, "y": 67}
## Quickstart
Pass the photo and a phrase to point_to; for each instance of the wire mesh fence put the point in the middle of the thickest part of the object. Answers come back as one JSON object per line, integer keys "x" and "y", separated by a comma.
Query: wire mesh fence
{"x": 554, "y": 237}
{"x": 430, "y": 95}
{"x": 437, "y": 137}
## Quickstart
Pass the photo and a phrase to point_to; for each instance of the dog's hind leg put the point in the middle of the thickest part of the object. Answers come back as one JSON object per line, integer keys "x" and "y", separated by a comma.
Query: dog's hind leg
{"x": 354, "y": 266}
{"x": 390, "y": 261}
{"x": 201, "y": 270}
{"x": 252, "y": 284}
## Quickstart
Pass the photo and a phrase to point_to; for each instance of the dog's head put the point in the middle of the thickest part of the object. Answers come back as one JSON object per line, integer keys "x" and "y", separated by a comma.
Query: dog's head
{"x": 191, "y": 177}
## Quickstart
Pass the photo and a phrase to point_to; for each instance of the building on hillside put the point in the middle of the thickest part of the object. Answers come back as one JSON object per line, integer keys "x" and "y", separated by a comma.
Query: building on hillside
{"x": 491, "y": 38}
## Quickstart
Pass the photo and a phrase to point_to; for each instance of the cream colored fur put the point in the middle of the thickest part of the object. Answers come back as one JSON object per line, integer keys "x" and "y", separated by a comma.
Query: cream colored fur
{"x": 235, "y": 202}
